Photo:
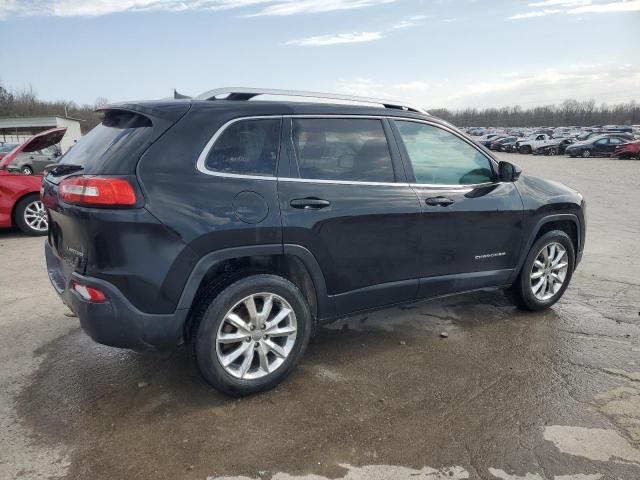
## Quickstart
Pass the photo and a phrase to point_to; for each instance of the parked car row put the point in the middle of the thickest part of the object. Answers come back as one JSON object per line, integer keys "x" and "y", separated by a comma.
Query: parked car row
{"x": 572, "y": 141}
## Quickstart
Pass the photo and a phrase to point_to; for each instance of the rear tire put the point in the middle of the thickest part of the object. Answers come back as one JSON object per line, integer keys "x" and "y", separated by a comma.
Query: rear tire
{"x": 26, "y": 170}
{"x": 30, "y": 215}
{"x": 239, "y": 349}
{"x": 530, "y": 290}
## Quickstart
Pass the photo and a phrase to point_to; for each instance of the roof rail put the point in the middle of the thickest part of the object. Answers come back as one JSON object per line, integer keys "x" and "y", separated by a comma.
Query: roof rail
{"x": 241, "y": 93}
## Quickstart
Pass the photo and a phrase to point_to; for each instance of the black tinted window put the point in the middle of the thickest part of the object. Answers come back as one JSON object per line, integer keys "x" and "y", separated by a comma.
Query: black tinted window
{"x": 248, "y": 147}
{"x": 114, "y": 146}
{"x": 439, "y": 157}
{"x": 342, "y": 149}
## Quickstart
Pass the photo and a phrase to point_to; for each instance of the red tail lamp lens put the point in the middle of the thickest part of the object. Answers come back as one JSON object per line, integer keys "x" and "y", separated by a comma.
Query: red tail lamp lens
{"x": 105, "y": 191}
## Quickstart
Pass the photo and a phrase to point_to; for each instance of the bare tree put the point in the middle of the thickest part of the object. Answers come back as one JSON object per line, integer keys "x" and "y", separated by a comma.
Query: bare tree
{"x": 568, "y": 113}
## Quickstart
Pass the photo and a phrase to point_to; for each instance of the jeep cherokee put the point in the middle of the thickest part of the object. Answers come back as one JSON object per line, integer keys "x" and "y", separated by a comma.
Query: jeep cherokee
{"x": 237, "y": 225}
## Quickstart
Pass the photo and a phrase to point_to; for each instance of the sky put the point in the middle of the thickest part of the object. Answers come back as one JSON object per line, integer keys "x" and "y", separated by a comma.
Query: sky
{"x": 434, "y": 53}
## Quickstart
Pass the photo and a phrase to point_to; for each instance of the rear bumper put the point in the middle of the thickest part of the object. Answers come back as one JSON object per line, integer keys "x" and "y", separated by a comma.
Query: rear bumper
{"x": 115, "y": 322}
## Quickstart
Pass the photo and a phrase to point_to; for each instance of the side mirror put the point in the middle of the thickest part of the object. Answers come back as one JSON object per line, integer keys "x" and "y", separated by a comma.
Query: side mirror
{"x": 508, "y": 172}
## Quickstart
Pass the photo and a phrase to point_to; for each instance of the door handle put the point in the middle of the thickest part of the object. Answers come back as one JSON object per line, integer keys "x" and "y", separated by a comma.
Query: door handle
{"x": 438, "y": 201}
{"x": 309, "y": 203}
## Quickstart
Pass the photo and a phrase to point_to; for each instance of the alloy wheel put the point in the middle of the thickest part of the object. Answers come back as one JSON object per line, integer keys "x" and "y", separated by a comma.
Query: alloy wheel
{"x": 549, "y": 271}
{"x": 586, "y": 154}
{"x": 35, "y": 216}
{"x": 256, "y": 336}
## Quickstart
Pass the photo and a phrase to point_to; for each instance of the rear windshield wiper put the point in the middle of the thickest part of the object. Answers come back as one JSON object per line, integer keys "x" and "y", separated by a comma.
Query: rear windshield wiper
{"x": 63, "y": 169}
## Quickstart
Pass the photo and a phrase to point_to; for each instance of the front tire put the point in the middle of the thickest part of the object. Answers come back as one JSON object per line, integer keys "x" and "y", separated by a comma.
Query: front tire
{"x": 26, "y": 170}
{"x": 526, "y": 149}
{"x": 546, "y": 272}
{"x": 586, "y": 153}
{"x": 30, "y": 216}
{"x": 252, "y": 334}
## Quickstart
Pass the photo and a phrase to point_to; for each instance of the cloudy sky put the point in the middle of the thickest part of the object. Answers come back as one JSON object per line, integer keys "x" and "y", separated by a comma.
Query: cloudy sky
{"x": 438, "y": 53}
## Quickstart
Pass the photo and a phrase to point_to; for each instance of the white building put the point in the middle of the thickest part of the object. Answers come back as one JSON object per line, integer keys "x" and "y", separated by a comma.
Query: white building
{"x": 19, "y": 129}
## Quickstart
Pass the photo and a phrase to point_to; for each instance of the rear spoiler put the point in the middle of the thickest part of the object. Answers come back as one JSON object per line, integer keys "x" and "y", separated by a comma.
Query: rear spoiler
{"x": 163, "y": 111}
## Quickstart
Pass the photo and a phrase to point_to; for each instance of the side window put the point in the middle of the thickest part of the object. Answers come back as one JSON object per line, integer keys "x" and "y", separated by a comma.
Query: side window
{"x": 342, "y": 149}
{"x": 440, "y": 158}
{"x": 49, "y": 151}
{"x": 248, "y": 147}
{"x": 602, "y": 141}
{"x": 540, "y": 137}
{"x": 615, "y": 141}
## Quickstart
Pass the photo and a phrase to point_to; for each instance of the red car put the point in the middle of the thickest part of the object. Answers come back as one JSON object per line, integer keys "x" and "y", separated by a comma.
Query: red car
{"x": 628, "y": 151}
{"x": 20, "y": 203}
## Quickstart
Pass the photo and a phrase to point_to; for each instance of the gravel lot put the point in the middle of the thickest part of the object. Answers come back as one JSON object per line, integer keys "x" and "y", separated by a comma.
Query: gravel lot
{"x": 509, "y": 395}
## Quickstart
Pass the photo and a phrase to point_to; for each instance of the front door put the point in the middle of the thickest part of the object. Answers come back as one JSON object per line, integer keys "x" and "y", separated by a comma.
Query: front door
{"x": 471, "y": 225}
{"x": 601, "y": 147}
{"x": 347, "y": 201}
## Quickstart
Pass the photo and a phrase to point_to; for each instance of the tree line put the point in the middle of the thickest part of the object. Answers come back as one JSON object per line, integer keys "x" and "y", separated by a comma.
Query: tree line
{"x": 568, "y": 113}
{"x": 25, "y": 103}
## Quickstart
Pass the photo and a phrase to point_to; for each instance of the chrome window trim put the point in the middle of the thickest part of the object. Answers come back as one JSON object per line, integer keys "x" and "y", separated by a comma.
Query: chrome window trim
{"x": 202, "y": 158}
{"x": 342, "y": 182}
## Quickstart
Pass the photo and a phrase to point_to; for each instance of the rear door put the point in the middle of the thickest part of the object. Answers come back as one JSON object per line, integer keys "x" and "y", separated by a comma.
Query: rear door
{"x": 614, "y": 143}
{"x": 471, "y": 225}
{"x": 347, "y": 201}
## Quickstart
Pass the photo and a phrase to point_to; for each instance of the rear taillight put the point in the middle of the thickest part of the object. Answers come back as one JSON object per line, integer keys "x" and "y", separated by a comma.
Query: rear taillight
{"x": 89, "y": 294}
{"x": 100, "y": 191}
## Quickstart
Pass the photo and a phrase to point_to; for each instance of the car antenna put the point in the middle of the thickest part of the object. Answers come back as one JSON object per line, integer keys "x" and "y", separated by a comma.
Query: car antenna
{"x": 178, "y": 96}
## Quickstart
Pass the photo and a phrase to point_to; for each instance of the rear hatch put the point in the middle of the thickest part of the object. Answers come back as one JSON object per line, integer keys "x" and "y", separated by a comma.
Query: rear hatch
{"x": 37, "y": 142}
{"x": 110, "y": 151}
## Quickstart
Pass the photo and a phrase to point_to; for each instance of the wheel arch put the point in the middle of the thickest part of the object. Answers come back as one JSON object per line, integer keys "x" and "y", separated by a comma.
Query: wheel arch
{"x": 17, "y": 201}
{"x": 567, "y": 222}
{"x": 293, "y": 262}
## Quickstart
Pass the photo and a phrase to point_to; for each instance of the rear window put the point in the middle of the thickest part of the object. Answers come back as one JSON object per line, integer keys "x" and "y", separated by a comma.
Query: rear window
{"x": 114, "y": 146}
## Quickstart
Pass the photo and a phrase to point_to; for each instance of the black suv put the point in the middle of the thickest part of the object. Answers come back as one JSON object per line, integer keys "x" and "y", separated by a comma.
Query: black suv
{"x": 238, "y": 225}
